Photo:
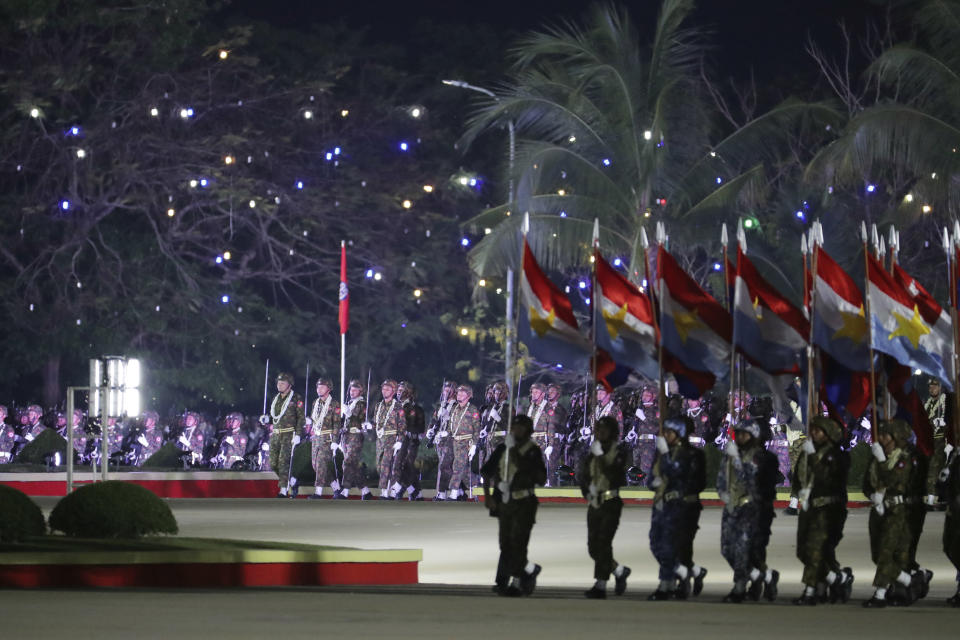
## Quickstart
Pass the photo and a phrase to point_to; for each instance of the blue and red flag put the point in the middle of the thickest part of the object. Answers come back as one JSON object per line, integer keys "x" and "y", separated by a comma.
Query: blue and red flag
{"x": 626, "y": 328}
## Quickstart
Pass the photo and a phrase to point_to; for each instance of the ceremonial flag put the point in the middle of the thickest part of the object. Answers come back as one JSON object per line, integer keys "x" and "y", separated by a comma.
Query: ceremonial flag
{"x": 767, "y": 328}
{"x": 915, "y": 338}
{"x": 839, "y": 321}
{"x": 909, "y": 405}
{"x": 932, "y": 312}
{"x": 694, "y": 328}
{"x": 547, "y": 324}
{"x": 344, "y": 292}
{"x": 626, "y": 327}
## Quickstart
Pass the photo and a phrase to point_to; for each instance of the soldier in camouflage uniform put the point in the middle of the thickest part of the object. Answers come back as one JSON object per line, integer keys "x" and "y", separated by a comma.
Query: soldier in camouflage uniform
{"x": 493, "y": 419}
{"x": 747, "y": 475}
{"x": 390, "y": 424}
{"x": 888, "y": 482}
{"x": 288, "y": 420}
{"x": 324, "y": 425}
{"x": 192, "y": 438}
{"x": 939, "y": 413}
{"x": 33, "y": 426}
{"x": 601, "y": 475}
{"x": 82, "y": 443}
{"x": 150, "y": 438}
{"x": 696, "y": 410}
{"x": 8, "y": 437}
{"x": 556, "y": 432}
{"x": 351, "y": 441}
{"x": 950, "y": 483}
{"x": 536, "y": 410}
{"x": 416, "y": 426}
{"x": 820, "y": 478}
{"x": 464, "y": 426}
{"x": 439, "y": 434}
{"x": 648, "y": 426}
{"x": 233, "y": 445}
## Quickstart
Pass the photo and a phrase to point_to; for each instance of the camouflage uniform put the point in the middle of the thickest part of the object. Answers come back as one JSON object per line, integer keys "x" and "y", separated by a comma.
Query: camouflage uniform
{"x": 940, "y": 415}
{"x": 779, "y": 446}
{"x": 493, "y": 420}
{"x": 325, "y": 417}
{"x": 416, "y": 426}
{"x": 352, "y": 441}
{"x": 193, "y": 440}
{"x": 464, "y": 429}
{"x": 288, "y": 419}
{"x": 648, "y": 426}
{"x": 233, "y": 445}
{"x": 545, "y": 428}
{"x": 950, "y": 481}
{"x": 703, "y": 431}
{"x": 820, "y": 478}
{"x": 390, "y": 424}
{"x": 8, "y": 438}
{"x": 440, "y": 434}
{"x": 556, "y": 434}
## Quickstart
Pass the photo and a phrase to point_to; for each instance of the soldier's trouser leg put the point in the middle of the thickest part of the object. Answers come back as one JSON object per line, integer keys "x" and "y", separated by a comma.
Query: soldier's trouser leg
{"x": 322, "y": 459}
{"x": 385, "y": 460}
{"x": 813, "y": 537}
{"x": 951, "y": 539}
{"x": 889, "y": 545}
{"x": 688, "y": 522}
{"x": 352, "y": 455}
{"x": 648, "y": 451}
{"x": 736, "y": 529}
{"x": 516, "y": 522}
{"x": 460, "y": 468}
{"x": 409, "y": 476}
{"x": 663, "y": 521}
{"x": 937, "y": 461}
{"x": 280, "y": 445}
{"x": 917, "y": 516}
{"x": 602, "y": 523}
{"x": 551, "y": 461}
{"x": 761, "y": 538}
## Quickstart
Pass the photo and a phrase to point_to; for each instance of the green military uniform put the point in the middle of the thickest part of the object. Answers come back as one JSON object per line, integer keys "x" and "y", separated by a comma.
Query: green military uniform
{"x": 938, "y": 411}
{"x": 325, "y": 429}
{"x": 390, "y": 423}
{"x": 820, "y": 480}
{"x": 464, "y": 426}
{"x": 353, "y": 414}
{"x": 288, "y": 419}
{"x": 950, "y": 483}
{"x": 556, "y": 434}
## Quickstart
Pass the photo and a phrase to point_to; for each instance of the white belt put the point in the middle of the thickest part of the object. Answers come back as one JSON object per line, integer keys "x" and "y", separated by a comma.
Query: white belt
{"x": 696, "y": 440}
{"x": 327, "y": 433}
{"x": 499, "y": 433}
{"x": 521, "y": 493}
{"x": 355, "y": 430}
{"x": 647, "y": 436}
{"x": 390, "y": 433}
{"x": 466, "y": 436}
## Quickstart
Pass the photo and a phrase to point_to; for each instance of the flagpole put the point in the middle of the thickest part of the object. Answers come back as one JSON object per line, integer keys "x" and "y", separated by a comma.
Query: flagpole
{"x": 810, "y": 275}
{"x": 593, "y": 301}
{"x": 343, "y": 329}
{"x": 661, "y": 397}
{"x": 950, "y": 249}
{"x": 724, "y": 241}
{"x": 866, "y": 303}
{"x": 655, "y": 301}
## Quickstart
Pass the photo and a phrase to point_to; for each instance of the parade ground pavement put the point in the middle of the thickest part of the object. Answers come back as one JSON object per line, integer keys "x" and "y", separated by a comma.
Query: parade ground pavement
{"x": 454, "y": 598}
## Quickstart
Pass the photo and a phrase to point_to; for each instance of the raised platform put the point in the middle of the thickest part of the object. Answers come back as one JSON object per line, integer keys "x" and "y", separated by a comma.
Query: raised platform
{"x": 223, "y": 564}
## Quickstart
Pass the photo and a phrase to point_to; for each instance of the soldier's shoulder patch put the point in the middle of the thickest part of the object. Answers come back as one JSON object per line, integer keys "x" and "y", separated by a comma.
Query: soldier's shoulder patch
{"x": 337, "y": 411}
{"x": 476, "y": 414}
{"x": 300, "y": 403}
{"x": 901, "y": 465}
{"x": 550, "y": 412}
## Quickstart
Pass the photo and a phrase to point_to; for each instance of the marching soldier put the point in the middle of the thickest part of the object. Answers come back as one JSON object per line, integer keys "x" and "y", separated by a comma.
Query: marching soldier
{"x": 493, "y": 419}
{"x": 513, "y": 470}
{"x": 746, "y": 480}
{"x": 464, "y": 428}
{"x": 8, "y": 437}
{"x": 390, "y": 424}
{"x": 324, "y": 425}
{"x": 648, "y": 416}
{"x": 556, "y": 432}
{"x": 351, "y": 442}
{"x": 288, "y": 420}
{"x": 439, "y": 434}
{"x": 888, "y": 483}
{"x": 536, "y": 410}
{"x": 950, "y": 482}
{"x": 678, "y": 477}
{"x": 416, "y": 425}
{"x": 601, "y": 475}
{"x": 233, "y": 445}
{"x": 939, "y": 414}
{"x": 607, "y": 407}
{"x": 702, "y": 429}
{"x": 820, "y": 479}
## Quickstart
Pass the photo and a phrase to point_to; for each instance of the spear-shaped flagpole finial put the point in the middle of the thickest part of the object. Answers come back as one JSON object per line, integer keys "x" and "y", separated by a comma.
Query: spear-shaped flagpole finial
{"x": 956, "y": 233}
{"x": 724, "y": 240}
{"x": 863, "y": 232}
{"x": 946, "y": 241}
{"x": 874, "y": 236}
{"x": 644, "y": 240}
{"x": 661, "y": 233}
{"x": 803, "y": 244}
{"x": 883, "y": 248}
{"x": 526, "y": 223}
{"x": 742, "y": 238}
{"x": 819, "y": 233}
{"x": 894, "y": 247}
{"x": 596, "y": 232}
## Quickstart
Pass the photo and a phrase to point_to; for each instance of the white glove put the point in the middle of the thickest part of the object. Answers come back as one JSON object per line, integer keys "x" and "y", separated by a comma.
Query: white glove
{"x": 295, "y": 441}
{"x": 877, "y": 452}
{"x": 368, "y": 425}
{"x": 142, "y": 439}
{"x": 662, "y": 446}
{"x": 773, "y": 421}
{"x": 308, "y": 422}
{"x": 947, "y": 449}
{"x": 939, "y": 422}
{"x": 443, "y": 434}
{"x": 509, "y": 441}
{"x": 807, "y": 447}
{"x": 380, "y": 431}
{"x": 732, "y": 449}
{"x": 264, "y": 420}
{"x": 229, "y": 439}
{"x": 184, "y": 440}
{"x": 444, "y": 411}
{"x": 804, "y": 497}
{"x": 865, "y": 423}
{"x": 548, "y": 451}
{"x": 431, "y": 433}
{"x": 877, "y": 500}
{"x": 596, "y": 448}
{"x": 29, "y": 437}
{"x": 483, "y": 434}
{"x": 930, "y": 500}
{"x": 265, "y": 446}
{"x": 493, "y": 414}
{"x": 728, "y": 418}
{"x": 397, "y": 446}
{"x": 656, "y": 482}
{"x": 640, "y": 414}
{"x": 334, "y": 446}
{"x": 944, "y": 474}
{"x": 585, "y": 432}
{"x": 473, "y": 451}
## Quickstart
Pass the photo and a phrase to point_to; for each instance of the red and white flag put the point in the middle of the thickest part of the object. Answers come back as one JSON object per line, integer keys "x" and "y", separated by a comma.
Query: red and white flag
{"x": 344, "y": 292}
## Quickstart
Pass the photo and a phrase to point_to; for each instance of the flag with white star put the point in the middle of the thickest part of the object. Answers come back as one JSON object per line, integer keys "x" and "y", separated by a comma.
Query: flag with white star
{"x": 626, "y": 328}
{"x": 839, "y": 323}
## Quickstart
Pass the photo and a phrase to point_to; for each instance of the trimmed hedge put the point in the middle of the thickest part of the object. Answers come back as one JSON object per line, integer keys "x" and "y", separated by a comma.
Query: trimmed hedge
{"x": 112, "y": 509}
{"x": 48, "y": 441}
{"x": 19, "y": 517}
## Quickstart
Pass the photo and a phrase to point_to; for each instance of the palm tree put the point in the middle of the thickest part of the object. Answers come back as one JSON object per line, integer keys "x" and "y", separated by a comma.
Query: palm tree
{"x": 613, "y": 127}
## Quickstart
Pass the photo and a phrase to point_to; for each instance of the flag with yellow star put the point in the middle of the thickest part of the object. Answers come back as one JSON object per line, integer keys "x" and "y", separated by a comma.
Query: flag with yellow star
{"x": 918, "y": 338}
{"x": 839, "y": 324}
{"x": 547, "y": 325}
{"x": 626, "y": 329}
{"x": 695, "y": 329}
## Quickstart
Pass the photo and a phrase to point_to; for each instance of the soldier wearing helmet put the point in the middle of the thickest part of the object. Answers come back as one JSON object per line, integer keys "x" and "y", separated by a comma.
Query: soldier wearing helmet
{"x": 33, "y": 427}
{"x": 939, "y": 412}
{"x": 288, "y": 420}
{"x": 556, "y": 432}
{"x": 149, "y": 439}
{"x": 8, "y": 437}
{"x": 416, "y": 425}
{"x": 493, "y": 418}
{"x": 351, "y": 442}
{"x": 439, "y": 435}
{"x": 324, "y": 425}
{"x": 389, "y": 423}
{"x": 464, "y": 426}
{"x": 233, "y": 444}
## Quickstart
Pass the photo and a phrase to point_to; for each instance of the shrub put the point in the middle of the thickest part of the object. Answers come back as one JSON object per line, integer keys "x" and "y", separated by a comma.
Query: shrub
{"x": 19, "y": 516}
{"x": 112, "y": 509}
{"x": 49, "y": 441}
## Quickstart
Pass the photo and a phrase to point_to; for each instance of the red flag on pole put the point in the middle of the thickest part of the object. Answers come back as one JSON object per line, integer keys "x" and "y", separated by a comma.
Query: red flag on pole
{"x": 344, "y": 292}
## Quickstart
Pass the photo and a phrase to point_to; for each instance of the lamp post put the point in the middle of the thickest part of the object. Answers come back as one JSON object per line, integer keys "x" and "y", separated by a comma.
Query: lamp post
{"x": 114, "y": 393}
{"x": 508, "y": 348}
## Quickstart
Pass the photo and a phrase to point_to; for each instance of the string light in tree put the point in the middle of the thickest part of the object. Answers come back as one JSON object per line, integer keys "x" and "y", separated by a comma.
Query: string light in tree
{"x": 407, "y": 204}
{"x": 81, "y": 153}
{"x": 428, "y": 188}
{"x": 154, "y": 112}
{"x": 307, "y": 114}
{"x": 186, "y": 113}
{"x": 171, "y": 212}
{"x": 34, "y": 113}
{"x": 224, "y": 54}
{"x": 228, "y": 160}
{"x": 65, "y": 205}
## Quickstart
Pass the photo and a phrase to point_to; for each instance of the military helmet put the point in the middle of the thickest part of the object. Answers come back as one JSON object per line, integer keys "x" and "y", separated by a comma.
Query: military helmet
{"x": 682, "y": 425}
{"x": 147, "y": 415}
{"x": 356, "y": 384}
{"x": 829, "y": 426}
{"x": 897, "y": 429}
{"x": 750, "y": 426}
{"x": 450, "y": 384}
{"x": 325, "y": 382}
{"x": 286, "y": 377}
{"x": 408, "y": 387}
{"x": 4, "y": 410}
{"x": 553, "y": 385}
{"x": 236, "y": 415}
{"x": 467, "y": 388}
{"x": 537, "y": 385}
{"x": 35, "y": 408}
{"x": 500, "y": 384}
{"x": 389, "y": 382}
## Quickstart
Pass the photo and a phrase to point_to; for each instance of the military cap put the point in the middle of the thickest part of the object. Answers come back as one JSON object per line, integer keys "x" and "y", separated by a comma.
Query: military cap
{"x": 553, "y": 385}
{"x": 750, "y": 426}
{"x": 389, "y": 382}
{"x": 899, "y": 430}
{"x": 356, "y": 383}
{"x": 538, "y": 385}
{"x": 286, "y": 377}
{"x": 465, "y": 387}
{"x": 236, "y": 415}
{"x": 829, "y": 426}
{"x": 408, "y": 386}
{"x": 151, "y": 414}
{"x": 35, "y": 408}
{"x": 325, "y": 382}
{"x": 933, "y": 380}
{"x": 500, "y": 384}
